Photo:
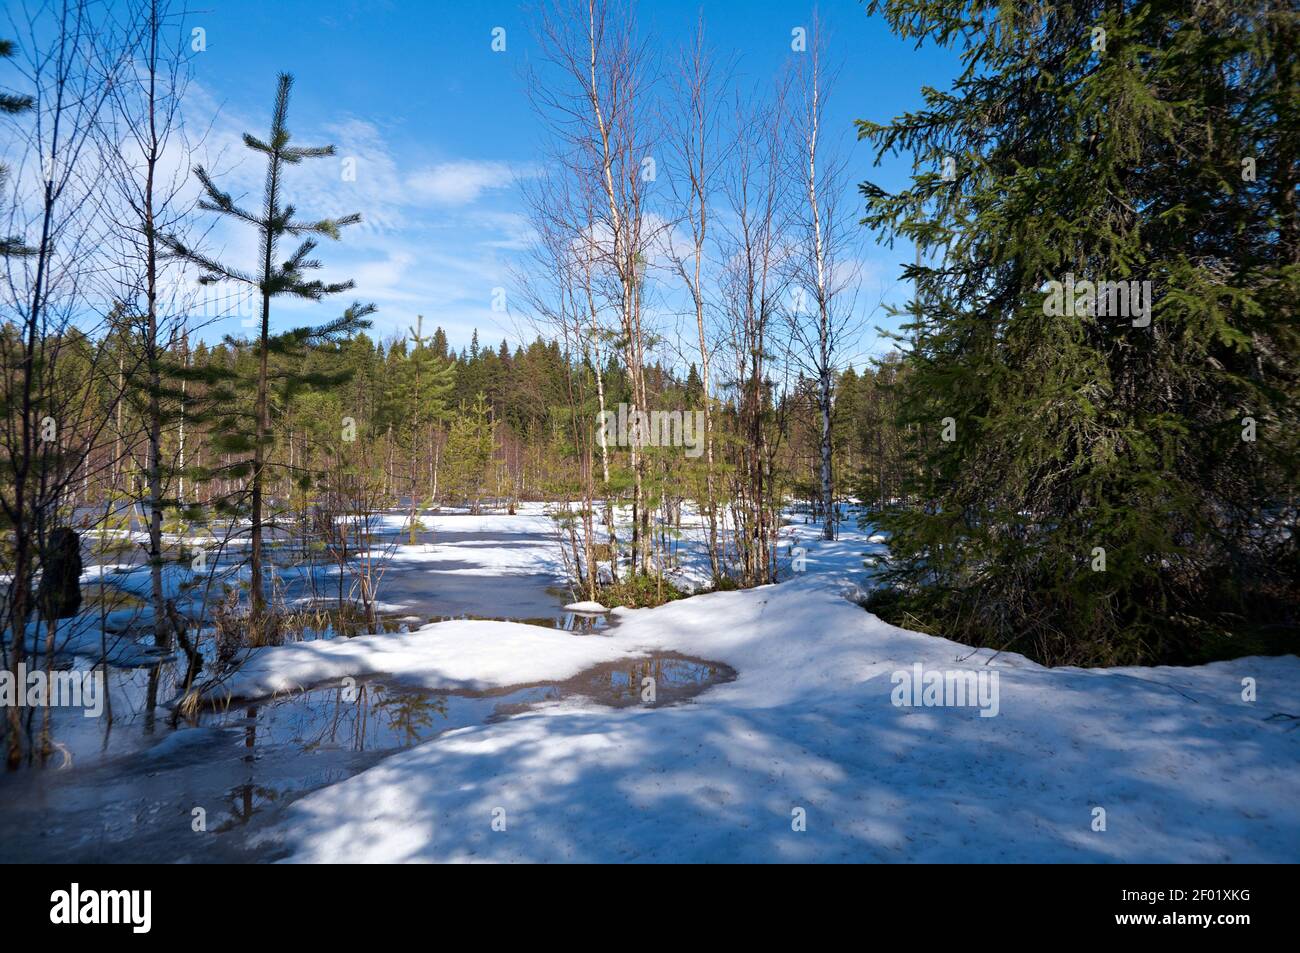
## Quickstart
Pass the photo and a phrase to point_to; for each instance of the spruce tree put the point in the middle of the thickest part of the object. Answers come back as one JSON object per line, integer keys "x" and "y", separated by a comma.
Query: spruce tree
{"x": 1100, "y": 486}
{"x": 425, "y": 381}
{"x": 470, "y": 445}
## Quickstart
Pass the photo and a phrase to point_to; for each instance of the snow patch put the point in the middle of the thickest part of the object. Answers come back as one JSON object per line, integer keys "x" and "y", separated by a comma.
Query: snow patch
{"x": 461, "y": 654}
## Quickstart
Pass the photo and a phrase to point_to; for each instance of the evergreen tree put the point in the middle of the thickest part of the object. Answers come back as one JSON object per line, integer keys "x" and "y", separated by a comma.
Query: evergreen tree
{"x": 694, "y": 387}
{"x": 1100, "y": 486}
{"x": 439, "y": 345}
{"x": 470, "y": 446}
{"x": 271, "y": 279}
{"x": 425, "y": 381}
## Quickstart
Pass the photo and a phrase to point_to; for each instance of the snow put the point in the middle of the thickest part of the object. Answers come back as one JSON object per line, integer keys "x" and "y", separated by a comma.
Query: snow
{"x": 1185, "y": 769}
{"x": 462, "y": 654}
{"x": 587, "y": 605}
{"x": 526, "y": 556}
{"x": 530, "y": 518}
{"x": 82, "y": 635}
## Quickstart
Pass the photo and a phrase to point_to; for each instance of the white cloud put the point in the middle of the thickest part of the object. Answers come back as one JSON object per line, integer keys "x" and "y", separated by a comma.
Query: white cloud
{"x": 460, "y": 182}
{"x": 517, "y": 232}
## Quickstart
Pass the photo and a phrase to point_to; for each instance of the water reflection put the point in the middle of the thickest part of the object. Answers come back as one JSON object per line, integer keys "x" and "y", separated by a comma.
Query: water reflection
{"x": 366, "y": 716}
{"x": 132, "y": 794}
{"x": 660, "y": 679}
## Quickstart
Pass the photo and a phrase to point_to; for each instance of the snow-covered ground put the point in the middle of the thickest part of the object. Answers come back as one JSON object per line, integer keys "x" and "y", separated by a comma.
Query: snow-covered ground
{"x": 806, "y": 756}
{"x": 449, "y": 656}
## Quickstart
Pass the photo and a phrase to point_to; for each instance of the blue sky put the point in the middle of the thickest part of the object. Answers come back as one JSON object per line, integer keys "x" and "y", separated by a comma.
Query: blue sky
{"x": 441, "y": 131}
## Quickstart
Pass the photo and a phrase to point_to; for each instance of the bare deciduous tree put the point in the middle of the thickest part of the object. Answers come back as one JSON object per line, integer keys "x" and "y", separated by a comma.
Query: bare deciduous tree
{"x": 824, "y": 277}
{"x": 595, "y": 97}
{"x": 696, "y": 139}
{"x": 53, "y": 302}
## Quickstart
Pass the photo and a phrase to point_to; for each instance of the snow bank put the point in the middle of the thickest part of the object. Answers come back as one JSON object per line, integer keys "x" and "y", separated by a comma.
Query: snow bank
{"x": 586, "y": 606}
{"x": 461, "y": 654}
